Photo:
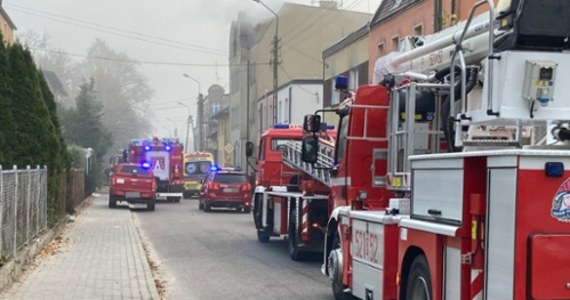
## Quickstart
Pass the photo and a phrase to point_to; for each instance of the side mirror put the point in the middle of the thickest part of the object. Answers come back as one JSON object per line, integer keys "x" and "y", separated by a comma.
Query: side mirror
{"x": 249, "y": 149}
{"x": 310, "y": 149}
{"x": 312, "y": 123}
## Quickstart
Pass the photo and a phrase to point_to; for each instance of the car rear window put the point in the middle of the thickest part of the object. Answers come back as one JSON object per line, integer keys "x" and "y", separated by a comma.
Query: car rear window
{"x": 134, "y": 170}
{"x": 230, "y": 178}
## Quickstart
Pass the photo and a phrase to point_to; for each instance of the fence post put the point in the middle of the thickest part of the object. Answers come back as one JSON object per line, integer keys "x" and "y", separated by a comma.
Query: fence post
{"x": 28, "y": 203}
{"x": 15, "y": 212}
{"x": 38, "y": 197}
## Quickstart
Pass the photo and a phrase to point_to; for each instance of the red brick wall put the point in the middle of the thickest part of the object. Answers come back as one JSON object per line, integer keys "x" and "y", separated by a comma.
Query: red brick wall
{"x": 405, "y": 23}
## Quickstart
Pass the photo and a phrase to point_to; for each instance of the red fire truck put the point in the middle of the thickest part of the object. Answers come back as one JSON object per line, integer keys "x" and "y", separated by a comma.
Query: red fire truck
{"x": 166, "y": 158}
{"x": 431, "y": 201}
{"x": 288, "y": 201}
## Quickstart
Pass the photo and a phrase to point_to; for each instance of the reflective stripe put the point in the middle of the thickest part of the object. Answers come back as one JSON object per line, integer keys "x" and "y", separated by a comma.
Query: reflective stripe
{"x": 340, "y": 181}
{"x": 305, "y": 220}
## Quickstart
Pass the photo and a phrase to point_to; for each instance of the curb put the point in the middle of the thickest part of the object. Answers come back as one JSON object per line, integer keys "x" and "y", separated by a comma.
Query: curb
{"x": 148, "y": 252}
{"x": 13, "y": 269}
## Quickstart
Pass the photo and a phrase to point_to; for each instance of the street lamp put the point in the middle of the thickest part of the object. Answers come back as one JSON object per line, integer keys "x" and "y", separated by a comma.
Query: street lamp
{"x": 187, "y": 125}
{"x": 275, "y": 52}
{"x": 200, "y": 111}
{"x": 175, "y": 127}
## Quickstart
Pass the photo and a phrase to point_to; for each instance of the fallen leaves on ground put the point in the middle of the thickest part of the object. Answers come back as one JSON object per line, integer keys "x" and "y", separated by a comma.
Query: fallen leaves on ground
{"x": 54, "y": 247}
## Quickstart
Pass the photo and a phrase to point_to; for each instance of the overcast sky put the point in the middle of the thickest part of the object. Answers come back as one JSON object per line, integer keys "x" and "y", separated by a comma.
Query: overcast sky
{"x": 199, "y": 28}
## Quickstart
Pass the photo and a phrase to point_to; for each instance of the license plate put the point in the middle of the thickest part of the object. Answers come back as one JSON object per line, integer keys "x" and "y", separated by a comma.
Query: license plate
{"x": 132, "y": 194}
{"x": 230, "y": 190}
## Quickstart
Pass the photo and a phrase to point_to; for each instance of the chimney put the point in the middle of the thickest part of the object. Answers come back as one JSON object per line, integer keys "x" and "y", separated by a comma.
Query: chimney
{"x": 329, "y": 4}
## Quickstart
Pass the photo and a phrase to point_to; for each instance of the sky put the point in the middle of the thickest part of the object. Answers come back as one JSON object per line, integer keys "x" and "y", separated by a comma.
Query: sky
{"x": 192, "y": 34}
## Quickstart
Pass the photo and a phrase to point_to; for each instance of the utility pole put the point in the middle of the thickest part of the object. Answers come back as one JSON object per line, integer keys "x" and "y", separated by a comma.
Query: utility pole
{"x": 275, "y": 59}
{"x": 201, "y": 121}
{"x": 275, "y": 70}
{"x": 247, "y": 118}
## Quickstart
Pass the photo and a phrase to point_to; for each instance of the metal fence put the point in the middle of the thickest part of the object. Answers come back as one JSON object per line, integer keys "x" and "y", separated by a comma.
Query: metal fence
{"x": 23, "y": 207}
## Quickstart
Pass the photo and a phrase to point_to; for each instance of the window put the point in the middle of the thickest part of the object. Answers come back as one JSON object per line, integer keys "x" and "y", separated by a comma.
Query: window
{"x": 419, "y": 30}
{"x": 395, "y": 43}
{"x": 280, "y": 111}
{"x": 353, "y": 79}
{"x": 334, "y": 94}
{"x": 131, "y": 169}
{"x": 230, "y": 178}
{"x": 262, "y": 149}
{"x": 286, "y": 111}
{"x": 279, "y": 144}
{"x": 380, "y": 49}
{"x": 197, "y": 168}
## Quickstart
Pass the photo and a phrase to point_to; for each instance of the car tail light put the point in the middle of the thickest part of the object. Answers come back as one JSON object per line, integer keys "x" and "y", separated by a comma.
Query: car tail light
{"x": 113, "y": 180}
{"x": 213, "y": 186}
{"x": 246, "y": 187}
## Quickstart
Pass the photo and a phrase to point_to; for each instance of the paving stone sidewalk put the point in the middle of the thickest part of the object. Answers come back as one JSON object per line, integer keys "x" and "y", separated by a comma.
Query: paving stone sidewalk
{"x": 101, "y": 257}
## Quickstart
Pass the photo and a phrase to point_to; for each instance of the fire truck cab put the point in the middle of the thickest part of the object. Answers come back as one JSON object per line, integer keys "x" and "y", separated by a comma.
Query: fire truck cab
{"x": 289, "y": 200}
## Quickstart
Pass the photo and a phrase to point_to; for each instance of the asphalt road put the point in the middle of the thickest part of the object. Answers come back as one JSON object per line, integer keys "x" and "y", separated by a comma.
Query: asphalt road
{"x": 216, "y": 255}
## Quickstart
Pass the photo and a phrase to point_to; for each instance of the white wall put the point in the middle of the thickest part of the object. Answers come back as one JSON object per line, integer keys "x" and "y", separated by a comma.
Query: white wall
{"x": 298, "y": 100}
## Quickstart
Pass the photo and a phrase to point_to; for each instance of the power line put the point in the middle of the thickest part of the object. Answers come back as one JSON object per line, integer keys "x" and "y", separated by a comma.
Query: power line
{"x": 142, "y": 62}
{"x": 108, "y": 29}
{"x": 331, "y": 15}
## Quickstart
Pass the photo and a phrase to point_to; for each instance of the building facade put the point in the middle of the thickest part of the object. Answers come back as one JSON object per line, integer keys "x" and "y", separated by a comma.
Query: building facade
{"x": 396, "y": 19}
{"x": 303, "y": 32}
{"x": 7, "y": 26}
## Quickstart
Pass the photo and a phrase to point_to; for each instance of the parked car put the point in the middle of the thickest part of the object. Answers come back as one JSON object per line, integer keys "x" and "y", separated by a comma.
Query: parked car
{"x": 226, "y": 188}
{"x": 134, "y": 184}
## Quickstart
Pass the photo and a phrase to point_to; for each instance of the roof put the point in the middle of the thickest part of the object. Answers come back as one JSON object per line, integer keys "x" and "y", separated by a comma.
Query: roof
{"x": 390, "y": 8}
{"x": 347, "y": 40}
{"x": 7, "y": 17}
{"x": 53, "y": 82}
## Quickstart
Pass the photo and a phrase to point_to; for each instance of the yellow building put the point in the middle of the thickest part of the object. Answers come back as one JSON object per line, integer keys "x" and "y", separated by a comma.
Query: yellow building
{"x": 7, "y": 27}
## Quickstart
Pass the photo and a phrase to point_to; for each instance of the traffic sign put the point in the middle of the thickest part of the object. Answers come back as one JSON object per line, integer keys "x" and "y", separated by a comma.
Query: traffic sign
{"x": 229, "y": 148}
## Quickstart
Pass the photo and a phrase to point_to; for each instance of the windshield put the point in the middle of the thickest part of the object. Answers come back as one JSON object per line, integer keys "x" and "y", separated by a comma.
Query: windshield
{"x": 134, "y": 170}
{"x": 230, "y": 178}
{"x": 201, "y": 168}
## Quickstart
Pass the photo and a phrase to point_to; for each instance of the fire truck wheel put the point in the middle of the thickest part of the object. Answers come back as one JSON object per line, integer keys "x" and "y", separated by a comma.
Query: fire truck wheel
{"x": 418, "y": 285}
{"x": 262, "y": 237}
{"x": 200, "y": 205}
{"x": 247, "y": 210}
{"x": 150, "y": 206}
{"x": 294, "y": 251}
{"x": 207, "y": 207}
{"x": 336, "y": 280}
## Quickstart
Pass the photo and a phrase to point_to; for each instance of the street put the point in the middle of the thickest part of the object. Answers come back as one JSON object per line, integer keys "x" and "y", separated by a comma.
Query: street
{"x": 216, "y": 255}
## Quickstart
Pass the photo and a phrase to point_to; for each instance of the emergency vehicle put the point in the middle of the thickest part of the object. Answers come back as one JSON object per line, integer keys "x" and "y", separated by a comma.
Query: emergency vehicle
{"x": 196, "y": 167}
{"x": 165, "y": 157}
{"x": 287, "y": 202}
{"x": 449, "y": 178}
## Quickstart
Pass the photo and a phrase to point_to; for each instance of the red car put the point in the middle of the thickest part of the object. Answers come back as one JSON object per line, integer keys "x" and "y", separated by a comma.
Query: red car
{"x": 226, "y": 188}
{"x": 133, "y": 183}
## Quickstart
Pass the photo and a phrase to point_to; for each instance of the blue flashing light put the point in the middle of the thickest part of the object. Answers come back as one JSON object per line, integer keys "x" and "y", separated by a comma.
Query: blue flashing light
{"x": 168, "y": 148}
{"x": 147, "y": 148}
{"x": 146, "y": 165}
{"x": 341, "y": 83}
{"x": 554, "y": 169}
{"x": 214, "y": 168}
{"x": 281, "y": 126}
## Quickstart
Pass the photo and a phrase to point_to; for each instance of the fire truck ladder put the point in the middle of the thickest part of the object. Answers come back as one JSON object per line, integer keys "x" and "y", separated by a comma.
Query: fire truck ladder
{"x": 319, "y": 170}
